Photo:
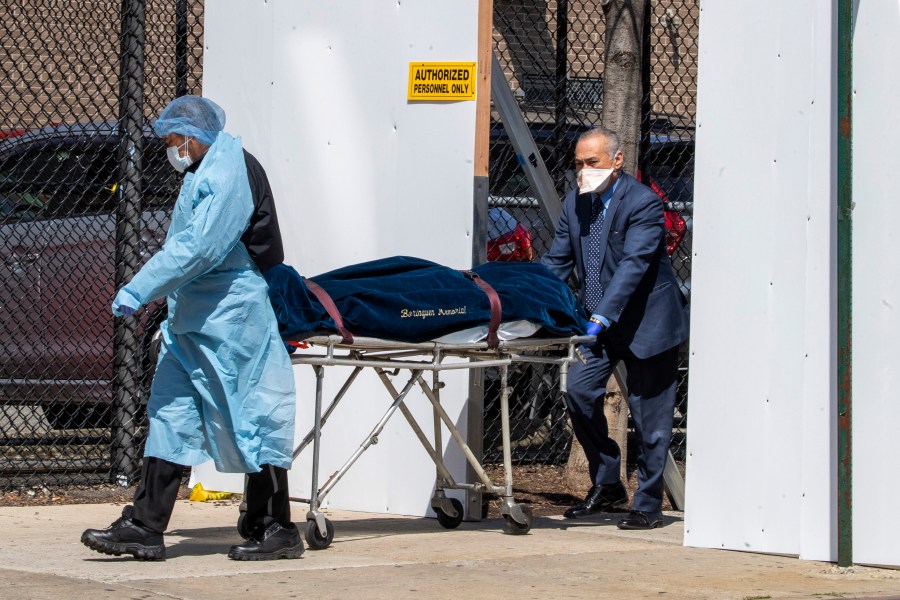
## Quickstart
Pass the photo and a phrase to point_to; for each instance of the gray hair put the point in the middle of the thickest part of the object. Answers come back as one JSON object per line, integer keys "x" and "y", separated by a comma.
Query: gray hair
{"x": 609, "y": 136}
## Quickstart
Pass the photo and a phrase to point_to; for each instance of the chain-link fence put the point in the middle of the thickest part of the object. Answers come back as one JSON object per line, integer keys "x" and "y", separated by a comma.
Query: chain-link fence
{"x": 85, "y": 197}
{"x": 552, "y": 54}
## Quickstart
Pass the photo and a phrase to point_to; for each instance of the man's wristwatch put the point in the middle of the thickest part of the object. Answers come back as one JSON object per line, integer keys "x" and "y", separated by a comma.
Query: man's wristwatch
{"x": 597, "y": 321}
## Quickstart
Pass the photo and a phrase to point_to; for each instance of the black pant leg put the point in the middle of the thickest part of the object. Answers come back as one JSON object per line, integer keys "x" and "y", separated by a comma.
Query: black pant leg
{"x": 155, "y": 497}
{"x": 266, "y": 495}
{"x": 651, "y": 388}
{"x": 584, "y": 400}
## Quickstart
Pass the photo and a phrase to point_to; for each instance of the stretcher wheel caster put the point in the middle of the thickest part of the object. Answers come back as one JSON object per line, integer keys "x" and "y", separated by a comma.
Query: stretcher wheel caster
{"x": 513, "y": 527}
{"x": 314, "y": 539}
{"x": 448, "y": 522}
{"x": 242, "y": 525}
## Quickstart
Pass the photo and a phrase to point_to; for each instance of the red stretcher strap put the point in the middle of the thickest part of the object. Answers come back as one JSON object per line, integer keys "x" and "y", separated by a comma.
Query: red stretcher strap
{"x": 493, "y": 341}
{"x": 330, "y": 308}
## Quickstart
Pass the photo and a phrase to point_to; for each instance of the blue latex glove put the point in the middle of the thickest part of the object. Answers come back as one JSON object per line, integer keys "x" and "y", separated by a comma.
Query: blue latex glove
{"x": 125, "y": 304}
{"x": 597, "y": 324}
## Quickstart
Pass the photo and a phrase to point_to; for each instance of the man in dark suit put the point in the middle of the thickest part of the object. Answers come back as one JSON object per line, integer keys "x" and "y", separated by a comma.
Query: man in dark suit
{"x": 612, "y": 234}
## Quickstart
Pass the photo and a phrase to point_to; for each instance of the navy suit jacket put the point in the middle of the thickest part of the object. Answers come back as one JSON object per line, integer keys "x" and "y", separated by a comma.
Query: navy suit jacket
{"x": 640, "y": 294}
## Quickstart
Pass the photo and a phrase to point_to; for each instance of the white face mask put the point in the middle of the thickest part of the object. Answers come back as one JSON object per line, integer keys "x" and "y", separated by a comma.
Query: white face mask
{"x": 180, "y": 163}
{"x": 590, "y": 180}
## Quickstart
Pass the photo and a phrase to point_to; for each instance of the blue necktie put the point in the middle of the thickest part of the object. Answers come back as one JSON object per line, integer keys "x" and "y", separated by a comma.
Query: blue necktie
{"x": 593, "y": 288}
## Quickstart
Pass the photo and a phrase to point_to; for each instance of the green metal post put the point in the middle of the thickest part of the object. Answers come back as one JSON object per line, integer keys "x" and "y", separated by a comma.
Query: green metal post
{"x": 845, "y": 281}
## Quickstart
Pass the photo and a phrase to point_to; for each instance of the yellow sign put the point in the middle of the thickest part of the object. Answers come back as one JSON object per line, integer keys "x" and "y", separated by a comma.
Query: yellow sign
{"x": 441, "y": 81}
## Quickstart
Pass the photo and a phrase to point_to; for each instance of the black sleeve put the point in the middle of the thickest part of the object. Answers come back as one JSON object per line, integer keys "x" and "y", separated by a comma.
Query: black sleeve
{"x": 263, "y": 237}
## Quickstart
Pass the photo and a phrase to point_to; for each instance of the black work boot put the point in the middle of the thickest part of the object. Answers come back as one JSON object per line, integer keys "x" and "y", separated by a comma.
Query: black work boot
{"x": 126, "y": 536}
{"x": 269, "y": 541}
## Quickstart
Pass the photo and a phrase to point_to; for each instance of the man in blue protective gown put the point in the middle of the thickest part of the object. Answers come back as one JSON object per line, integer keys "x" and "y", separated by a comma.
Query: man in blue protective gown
{"x": 223, "y": 388}
{"x": 612, "y": 234}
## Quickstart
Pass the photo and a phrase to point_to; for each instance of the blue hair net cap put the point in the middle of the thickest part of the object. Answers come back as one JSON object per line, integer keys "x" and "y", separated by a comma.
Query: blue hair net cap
{"x": 193, "y": 116}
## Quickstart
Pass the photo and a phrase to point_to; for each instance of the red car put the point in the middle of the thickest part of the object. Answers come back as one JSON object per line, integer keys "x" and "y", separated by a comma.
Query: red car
{"x": 508, "y": 240}
{"x": 57, "y": 265}
{"x": 676, "y": 227}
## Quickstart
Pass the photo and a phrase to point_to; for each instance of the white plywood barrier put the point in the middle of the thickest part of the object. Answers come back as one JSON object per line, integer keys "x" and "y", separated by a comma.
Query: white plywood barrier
{"x": 317, "y": 90}
{"x": 876, "y": 285}
{"x": 760, "y": 472}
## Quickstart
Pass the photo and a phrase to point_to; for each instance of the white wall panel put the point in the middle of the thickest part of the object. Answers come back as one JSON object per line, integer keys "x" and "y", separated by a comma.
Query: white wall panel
{"x": 818, "y": 477}
{"x": 762, "y": 294}
{"x": 876, "y": 285}
{"x": 317, "y": 90}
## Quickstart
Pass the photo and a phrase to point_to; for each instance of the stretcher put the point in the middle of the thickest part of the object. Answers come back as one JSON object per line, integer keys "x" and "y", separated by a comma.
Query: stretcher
{"x": 413, "y": 362}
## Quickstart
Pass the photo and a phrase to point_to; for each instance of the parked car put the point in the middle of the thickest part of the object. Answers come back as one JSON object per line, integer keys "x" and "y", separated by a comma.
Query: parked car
{"x": 508, "y": 240}
{"x": 58, "y": 205}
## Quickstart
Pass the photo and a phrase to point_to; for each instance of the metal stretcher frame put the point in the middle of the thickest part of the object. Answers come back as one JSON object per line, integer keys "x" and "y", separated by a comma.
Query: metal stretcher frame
{"x": 418, "y": 358}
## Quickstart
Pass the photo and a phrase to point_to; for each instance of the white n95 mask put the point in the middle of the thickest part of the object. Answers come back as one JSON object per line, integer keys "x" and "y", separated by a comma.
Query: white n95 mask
{"x": 180, "y": 163}
{"x": 590, "y": 180}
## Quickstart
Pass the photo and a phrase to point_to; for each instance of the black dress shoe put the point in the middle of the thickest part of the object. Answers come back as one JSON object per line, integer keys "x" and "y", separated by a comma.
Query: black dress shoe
{"x": 641, "y": 520}
{"x": 600, "y": 498}
{"x": 269, "y": 542}
{"x": 126, "y": 536}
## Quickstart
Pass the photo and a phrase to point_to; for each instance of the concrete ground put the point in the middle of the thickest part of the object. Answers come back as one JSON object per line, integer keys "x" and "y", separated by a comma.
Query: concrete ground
{"x": 380, "y": 556}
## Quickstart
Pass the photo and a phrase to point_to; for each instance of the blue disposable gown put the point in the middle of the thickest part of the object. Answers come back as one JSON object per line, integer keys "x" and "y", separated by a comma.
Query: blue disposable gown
{"x": 224, "y": 388}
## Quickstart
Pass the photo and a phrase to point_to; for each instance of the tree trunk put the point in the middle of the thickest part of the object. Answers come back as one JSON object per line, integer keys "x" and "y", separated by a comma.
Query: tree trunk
{"x": 615, "y": 407}
{"x": 576, "y": 480}
{"x": 622, "y": 88}
{"x": 622, "y": 101}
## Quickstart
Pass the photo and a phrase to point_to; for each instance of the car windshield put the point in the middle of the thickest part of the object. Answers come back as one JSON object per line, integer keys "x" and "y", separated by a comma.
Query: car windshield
{"x": 58, "y": 181}
{"x": 76, "y": 179}
{"x": 500, "y": 222}
{"x": 20, "y": 206}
